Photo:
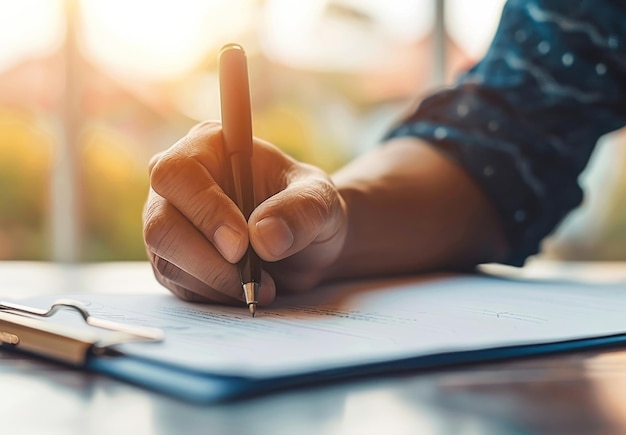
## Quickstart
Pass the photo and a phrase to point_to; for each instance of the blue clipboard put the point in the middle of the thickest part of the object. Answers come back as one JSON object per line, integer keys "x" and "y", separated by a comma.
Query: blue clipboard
{"x": 25, "y": 329}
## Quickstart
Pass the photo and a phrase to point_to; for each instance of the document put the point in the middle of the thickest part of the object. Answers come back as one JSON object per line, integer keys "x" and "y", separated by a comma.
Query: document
{"x": 370, "y": 323}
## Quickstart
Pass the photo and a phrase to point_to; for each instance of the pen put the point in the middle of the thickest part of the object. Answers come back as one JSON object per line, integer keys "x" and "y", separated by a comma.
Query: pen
{"x": 237, "y": 134}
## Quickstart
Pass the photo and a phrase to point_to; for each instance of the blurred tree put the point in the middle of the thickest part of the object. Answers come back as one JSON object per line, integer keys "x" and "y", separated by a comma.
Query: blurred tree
{"x": 116, "y": 182}
{"x": 25, "y": 166}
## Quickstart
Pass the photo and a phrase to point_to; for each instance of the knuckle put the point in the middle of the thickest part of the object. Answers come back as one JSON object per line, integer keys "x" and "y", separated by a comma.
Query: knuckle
{"x": 165, "y": 172}
{"x": 153, "y": 161}
{"x": 205, "y": 127}
{"x": 314, "y": 203}
{"x": 157, "y": 229}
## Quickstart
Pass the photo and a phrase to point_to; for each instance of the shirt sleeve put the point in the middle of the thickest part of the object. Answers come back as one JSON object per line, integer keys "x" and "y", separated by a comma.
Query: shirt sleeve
{"x": 524, "y": 120}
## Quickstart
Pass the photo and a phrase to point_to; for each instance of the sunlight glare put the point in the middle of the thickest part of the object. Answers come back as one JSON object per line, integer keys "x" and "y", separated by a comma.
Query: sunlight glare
{"x": 29, "y": 28}
{"x": 472, "y": 24}
{"x": 341, "y": 34}
{"x": 159, "y": 39}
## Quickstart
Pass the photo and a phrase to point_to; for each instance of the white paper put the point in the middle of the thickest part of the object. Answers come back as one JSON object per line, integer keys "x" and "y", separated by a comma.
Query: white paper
{"x": 365, "y": 322}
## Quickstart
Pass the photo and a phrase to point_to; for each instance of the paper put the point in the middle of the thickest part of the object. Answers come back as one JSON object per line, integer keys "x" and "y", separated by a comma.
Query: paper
{"x": 360, "y": 323}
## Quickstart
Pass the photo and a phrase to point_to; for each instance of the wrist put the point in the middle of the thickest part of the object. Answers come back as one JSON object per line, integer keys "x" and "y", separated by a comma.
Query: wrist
{"x": 409, "y": 209}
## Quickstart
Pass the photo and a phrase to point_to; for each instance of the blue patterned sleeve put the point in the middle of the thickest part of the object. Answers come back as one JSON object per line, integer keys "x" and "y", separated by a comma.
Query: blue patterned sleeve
{"x": 524, "y": 120}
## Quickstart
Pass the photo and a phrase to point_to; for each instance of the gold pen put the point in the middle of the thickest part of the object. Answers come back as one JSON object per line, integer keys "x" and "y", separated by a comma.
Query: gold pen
{"x": 237, "y": 134}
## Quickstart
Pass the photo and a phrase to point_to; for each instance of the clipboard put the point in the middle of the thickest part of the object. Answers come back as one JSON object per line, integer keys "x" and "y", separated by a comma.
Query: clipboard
{"x": 23, "y": 328}
{"x": 26, "y": 329}
{"x": 212, "y": 354}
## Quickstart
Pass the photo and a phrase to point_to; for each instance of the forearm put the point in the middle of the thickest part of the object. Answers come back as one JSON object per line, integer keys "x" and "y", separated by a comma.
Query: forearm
{"x": 412, "y": 209}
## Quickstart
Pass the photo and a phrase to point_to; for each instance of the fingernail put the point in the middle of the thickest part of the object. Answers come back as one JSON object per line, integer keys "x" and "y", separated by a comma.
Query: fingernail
{"x": 227, "y": 241}
{"x": 275, "y": 234}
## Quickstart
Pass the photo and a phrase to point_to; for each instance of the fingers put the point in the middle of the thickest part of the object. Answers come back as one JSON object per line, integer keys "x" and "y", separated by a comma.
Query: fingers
{"x": 309, "y": 211}
{"x": 187, "y": 176}
{"x": 187, "y": 264}
{"x": 191, "y": 227}
{"x": 186, "y": 286}
{"x": 153, "y": 160}
{"x": 189, "y": 288}
{"x": 170, "y": 236}
{"x": 196, "y": 233}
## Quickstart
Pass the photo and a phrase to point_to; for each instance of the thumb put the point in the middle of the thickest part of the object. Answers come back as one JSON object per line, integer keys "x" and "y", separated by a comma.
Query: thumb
{"x": 308, "y": 211}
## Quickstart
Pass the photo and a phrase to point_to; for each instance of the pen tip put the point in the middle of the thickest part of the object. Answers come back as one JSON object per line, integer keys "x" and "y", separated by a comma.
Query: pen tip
{"x": 252, "y": 308}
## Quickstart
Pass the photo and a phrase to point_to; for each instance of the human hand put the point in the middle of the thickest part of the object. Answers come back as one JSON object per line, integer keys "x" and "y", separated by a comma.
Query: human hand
{"x": 195, "y": 234}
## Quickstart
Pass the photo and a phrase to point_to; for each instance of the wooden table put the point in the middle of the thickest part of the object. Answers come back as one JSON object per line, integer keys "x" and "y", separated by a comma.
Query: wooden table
{"x": 576, "y": 393}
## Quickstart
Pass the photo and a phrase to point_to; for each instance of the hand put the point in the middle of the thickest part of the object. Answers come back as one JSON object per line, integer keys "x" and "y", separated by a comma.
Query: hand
{"x": 195, "y": 234}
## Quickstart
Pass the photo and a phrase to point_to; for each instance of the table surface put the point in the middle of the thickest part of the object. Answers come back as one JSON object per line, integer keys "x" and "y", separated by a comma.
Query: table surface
{"x": 572, "y": 393}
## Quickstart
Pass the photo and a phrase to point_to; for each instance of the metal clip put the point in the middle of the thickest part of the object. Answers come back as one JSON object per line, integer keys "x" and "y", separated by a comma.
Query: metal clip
{"x": 22, "y": 327}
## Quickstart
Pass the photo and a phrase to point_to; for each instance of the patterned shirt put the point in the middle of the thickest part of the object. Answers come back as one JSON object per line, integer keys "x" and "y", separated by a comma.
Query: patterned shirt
{"x": 524, "y": 120}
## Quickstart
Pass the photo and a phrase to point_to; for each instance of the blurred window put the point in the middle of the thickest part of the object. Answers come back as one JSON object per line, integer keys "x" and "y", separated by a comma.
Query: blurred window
{"x": 91, "y": 89}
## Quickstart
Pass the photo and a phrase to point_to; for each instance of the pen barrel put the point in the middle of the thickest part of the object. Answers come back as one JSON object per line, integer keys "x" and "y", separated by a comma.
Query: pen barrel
{"x": 250, "y": 268}
{"x": 235, "y": 100}
{"x": 237, "y": 135}
{"x": 242, "y": 188}
{"x": 242, "y": 194}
